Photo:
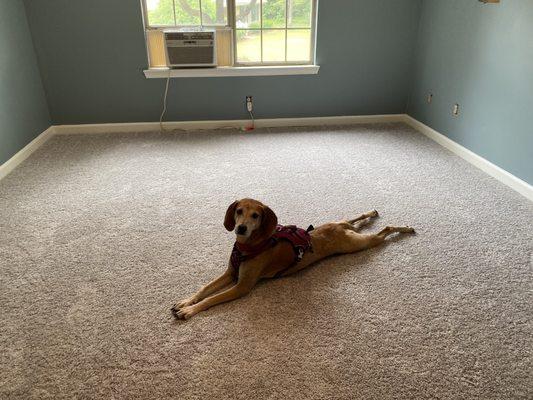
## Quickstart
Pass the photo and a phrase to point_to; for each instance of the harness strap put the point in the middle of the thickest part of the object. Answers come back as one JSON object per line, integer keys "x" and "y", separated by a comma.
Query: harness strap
{"x": 297, "y": 237}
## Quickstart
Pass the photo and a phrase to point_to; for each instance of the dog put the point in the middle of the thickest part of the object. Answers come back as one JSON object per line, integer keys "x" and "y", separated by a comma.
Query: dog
{"x": 264, "y": 249}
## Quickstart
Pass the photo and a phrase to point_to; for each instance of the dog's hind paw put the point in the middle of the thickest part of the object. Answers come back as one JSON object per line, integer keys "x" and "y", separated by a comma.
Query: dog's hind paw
{"x": 408, "y": 229}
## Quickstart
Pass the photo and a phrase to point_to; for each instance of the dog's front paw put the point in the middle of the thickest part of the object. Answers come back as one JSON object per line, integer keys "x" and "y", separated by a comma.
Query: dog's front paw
{"x": 185, "y": 312}
{"x": 184, "y": 303}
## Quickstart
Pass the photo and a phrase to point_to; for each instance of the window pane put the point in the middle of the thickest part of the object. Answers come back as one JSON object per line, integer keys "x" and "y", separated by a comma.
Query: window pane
{"x": 299, "y": 45}
{"x": 187, "y": 12}
{"x": 160, "y": 12}
{"x": 215, "y": 12}
{"x": 274, "y": 45}
{"x": 248, "y": 13}
{"x": 274, "y": 13}
{"x": 299, "y": 13}
{"x": 248, "y": 46}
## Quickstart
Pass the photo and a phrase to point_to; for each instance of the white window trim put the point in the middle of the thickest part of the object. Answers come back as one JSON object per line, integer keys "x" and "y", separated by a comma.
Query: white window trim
{"x": 239, "y": 69}
{"x": 277, "y": 70}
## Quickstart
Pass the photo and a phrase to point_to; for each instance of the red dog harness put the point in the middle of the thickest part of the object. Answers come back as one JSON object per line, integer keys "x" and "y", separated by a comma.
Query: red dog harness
{"x": 299, "y": 239}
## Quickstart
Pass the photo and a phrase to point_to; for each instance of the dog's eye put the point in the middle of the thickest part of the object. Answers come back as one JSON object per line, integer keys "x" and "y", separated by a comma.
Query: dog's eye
{"x": 255, "y": 215}
{"x": 239, "y": 212}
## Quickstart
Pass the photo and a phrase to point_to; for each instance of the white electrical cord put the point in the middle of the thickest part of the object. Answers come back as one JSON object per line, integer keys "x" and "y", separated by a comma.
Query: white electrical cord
{"x": 253, "y": 119}
{"x": 250, "y": 108}
{"x": 165, "y": 107}
{"x": 164, "y": 104}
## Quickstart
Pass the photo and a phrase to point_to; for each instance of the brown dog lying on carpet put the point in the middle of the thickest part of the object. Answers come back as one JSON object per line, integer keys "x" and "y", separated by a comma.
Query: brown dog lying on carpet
{"x": 264, "y": 249}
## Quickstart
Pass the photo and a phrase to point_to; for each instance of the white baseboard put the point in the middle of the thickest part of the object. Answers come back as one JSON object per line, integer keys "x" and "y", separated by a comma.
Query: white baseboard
{"x": 493, "y": 170}
{"x": 26, "y": 151}
{"x": 132, "y": 127}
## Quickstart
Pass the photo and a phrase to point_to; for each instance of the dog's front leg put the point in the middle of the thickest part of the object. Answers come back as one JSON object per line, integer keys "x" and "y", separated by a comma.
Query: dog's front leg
{"x": 218, "y": 284}
{"x": 230, "y": 294}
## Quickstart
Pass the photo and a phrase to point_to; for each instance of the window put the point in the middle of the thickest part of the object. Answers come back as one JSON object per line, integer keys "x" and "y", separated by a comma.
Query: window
{"x": 249, "y": 32}
{"x": 273, "y": 31}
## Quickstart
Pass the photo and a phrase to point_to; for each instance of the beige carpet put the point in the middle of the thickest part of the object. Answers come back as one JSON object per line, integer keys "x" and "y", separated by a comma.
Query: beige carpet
{"x": 99, "y": 235}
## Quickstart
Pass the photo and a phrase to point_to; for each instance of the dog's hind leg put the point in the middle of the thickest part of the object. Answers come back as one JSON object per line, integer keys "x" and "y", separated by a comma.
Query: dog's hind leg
{"x": 371, "y": 214}
{"x": 353, "y": 241}
{"x": 389, "y": 230}
{"x": 357, "y": 223}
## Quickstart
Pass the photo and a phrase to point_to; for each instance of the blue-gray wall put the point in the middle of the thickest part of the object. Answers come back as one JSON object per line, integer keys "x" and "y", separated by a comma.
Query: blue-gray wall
{"x": 23, "y": 110}
{"x": 91, "y": 55}
{"x": 480, "y": 56}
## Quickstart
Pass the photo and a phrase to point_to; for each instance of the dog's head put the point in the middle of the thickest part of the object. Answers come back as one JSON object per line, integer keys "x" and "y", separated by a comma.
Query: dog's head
{"x": 252, "y": 221}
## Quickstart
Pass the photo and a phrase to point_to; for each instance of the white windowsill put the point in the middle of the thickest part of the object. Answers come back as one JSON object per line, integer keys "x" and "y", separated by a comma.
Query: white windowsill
{"x": 232, "y": 71}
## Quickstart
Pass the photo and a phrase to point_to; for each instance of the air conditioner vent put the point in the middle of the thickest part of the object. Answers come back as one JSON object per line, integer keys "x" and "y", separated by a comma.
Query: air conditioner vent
{"x": 190, "y": 49}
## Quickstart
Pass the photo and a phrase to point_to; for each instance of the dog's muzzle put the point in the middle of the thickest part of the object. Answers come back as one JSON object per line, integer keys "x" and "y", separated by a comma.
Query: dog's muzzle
{"x": 241, "y": 229}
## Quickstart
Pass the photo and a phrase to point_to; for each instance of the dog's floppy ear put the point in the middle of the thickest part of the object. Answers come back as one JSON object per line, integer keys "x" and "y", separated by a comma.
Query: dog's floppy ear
{"x": 229, "y": 220}
{"x": 269, "y": 221}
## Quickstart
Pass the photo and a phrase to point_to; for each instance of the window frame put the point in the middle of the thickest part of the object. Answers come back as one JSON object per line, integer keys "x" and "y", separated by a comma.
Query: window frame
{"x": 232, "y": 25}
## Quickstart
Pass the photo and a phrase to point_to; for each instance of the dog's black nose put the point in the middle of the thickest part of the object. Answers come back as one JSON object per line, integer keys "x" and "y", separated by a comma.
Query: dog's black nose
{"x": 241, "y": 229}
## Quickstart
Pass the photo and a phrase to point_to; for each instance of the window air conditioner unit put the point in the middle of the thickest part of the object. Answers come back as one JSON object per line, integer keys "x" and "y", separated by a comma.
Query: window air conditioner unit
{"x": 185, "y": 49}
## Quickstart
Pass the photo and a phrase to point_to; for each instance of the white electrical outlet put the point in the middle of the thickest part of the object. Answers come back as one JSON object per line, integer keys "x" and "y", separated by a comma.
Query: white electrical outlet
{"x": 455, "y": 109}
{"x": 249, "y": 103}
{"x": 430, "y": 98}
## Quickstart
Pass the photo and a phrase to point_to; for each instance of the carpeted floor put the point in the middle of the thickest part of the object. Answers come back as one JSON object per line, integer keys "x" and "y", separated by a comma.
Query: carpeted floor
{"x": 101, "y": 234}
